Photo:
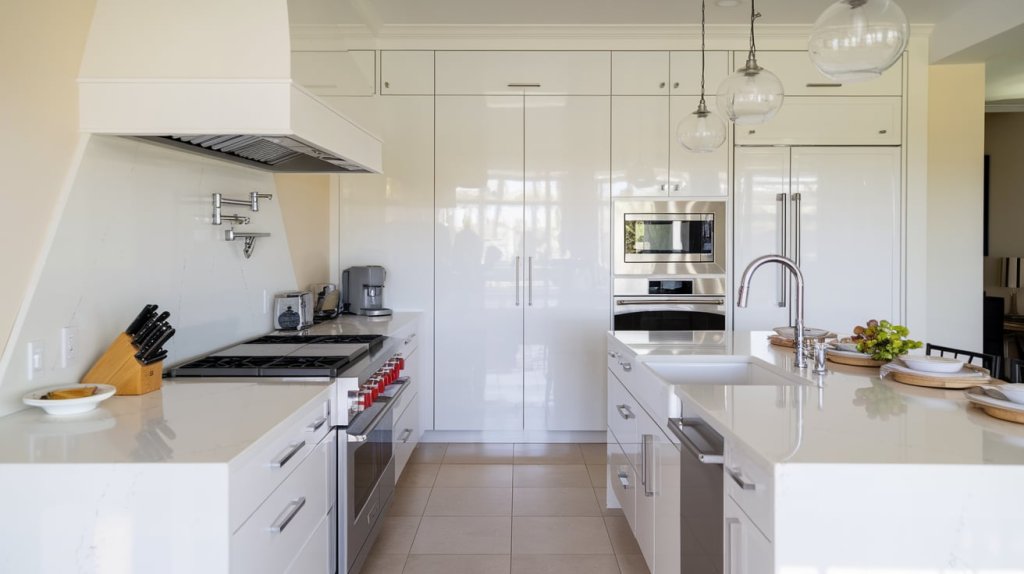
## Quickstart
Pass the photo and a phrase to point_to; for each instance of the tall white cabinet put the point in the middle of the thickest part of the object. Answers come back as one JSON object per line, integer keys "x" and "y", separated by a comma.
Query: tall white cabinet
{"x": 521, "y": 261}
{"x": 836, "y": 211}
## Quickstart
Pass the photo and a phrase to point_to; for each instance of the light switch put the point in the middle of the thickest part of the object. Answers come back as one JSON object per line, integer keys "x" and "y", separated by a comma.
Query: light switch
{"x": 36, "y": 357}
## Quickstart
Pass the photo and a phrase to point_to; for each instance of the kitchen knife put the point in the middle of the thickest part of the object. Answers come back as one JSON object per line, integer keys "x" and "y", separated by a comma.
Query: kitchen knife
{"x": 154, "y": 334}
{"x": 157, "y": 346}
{"x": 147, "y": 312}
{"x": 149, "y": 327}
{"x": 156, "y": 358}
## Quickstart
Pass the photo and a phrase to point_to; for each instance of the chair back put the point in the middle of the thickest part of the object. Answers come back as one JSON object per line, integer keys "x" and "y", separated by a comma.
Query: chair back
{"x": 994, "y": 363}
{"x": 1016, "y": 370}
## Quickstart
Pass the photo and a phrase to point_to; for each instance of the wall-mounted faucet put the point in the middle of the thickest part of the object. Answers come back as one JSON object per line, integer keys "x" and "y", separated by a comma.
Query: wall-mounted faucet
{"x": 741, "y": 301}
{"x": 253, "y": 203}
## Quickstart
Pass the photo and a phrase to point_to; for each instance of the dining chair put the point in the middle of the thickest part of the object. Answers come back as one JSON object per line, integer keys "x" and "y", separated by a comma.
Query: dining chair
{"x": 994, "y": 363}
{"x": 1016, "y": 370}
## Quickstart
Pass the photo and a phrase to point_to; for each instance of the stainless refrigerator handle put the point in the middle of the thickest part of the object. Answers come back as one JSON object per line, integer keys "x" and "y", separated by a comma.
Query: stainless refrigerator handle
{"x": 646, "y": 448}
{"x": 529, "y": 281}
{"x": 780, "y": 198}
{"x": 797, "y": 213}
{"x": 517, "y": 280}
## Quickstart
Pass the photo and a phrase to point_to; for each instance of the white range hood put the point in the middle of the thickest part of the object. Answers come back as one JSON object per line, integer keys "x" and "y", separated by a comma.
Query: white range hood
{"x": 213, "y": 77}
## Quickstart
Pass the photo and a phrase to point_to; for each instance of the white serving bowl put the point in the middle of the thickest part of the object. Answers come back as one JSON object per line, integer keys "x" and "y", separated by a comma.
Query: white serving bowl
{"x": 1014, "y": 393}
{"x": 61, "y": 407}
{"x": 790, "y": 332}
{"x": 931, "y": 364}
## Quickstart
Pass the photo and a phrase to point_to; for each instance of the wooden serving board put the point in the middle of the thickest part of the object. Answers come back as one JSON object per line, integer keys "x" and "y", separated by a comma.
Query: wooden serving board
{"x": 854, "y": 361}
{"x": 782, "y": 342}
{"x": 921, "y": 380}
{"x": 1001, "y": 413}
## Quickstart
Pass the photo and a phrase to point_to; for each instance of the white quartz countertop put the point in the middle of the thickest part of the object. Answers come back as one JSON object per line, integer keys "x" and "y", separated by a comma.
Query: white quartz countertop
{"x": 359, "y": 325}
{"x": 852, "y": 417}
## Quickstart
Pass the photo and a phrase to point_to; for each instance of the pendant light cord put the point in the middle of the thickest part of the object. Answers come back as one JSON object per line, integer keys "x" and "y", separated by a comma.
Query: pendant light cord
{"x": 754, "y": 15}
{"x": 703, "y": 104}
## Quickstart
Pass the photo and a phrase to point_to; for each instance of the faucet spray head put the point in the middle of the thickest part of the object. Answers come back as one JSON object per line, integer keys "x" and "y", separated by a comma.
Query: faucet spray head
{"x": 741, "y": 299}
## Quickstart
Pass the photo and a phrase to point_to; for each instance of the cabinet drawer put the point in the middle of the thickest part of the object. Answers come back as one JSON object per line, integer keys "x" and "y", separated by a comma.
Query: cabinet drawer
{"x": 315, "y": 557}
{"x": 407, "y": 396}
{"x": 829, "y": 121}
{"x": 407, "y": 434}
{"x": 274, "y": 535}
{"x": 350, "y": 73}
{"x": 489, "y": 73}
{"x": 623, "y": 411}
{"x": 746, "y": 551}
{"x": 801, "y": 78}
{"x": 685, "y": 73}
{"x": 407, "y": 72}
{"x": 751, "y": 485}
{"x": 622, "y": 481}
{"x": 271, "y": 462}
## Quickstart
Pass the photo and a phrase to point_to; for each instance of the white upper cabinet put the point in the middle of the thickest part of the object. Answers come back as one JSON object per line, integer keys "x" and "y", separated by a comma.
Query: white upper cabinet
{"x": 800, "y": 77}
{"x": 663, "y": 73}
{"x": 407, "y": 72}
{"x": 685, "y": 72}
{"x": 695, "y": 174}
{"x": 539, "y": 73}
{"x": 640, "y": 135}
{"x": 829, "y": 121}
{"x": 339, "y": 73}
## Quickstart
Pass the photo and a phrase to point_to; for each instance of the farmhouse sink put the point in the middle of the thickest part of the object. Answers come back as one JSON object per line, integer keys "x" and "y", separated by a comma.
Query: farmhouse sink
{"x": 677, "y": 373}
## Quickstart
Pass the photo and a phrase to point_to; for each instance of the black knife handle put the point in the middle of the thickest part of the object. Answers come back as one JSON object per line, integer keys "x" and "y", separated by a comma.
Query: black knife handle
{"x": 147, "y": 312}
{"x": 154, "y": 334}
{"x": 156, "y": 347}
{"x": 147, "y": 330}
{"x": 152, "y": 360}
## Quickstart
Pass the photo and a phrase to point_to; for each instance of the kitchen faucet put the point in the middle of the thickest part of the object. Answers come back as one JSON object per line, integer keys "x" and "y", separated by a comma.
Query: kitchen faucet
{"x": 801, "y": 344}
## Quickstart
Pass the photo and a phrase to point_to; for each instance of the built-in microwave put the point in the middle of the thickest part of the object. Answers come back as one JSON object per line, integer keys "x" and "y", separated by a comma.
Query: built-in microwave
{"x": 669, "y": 238}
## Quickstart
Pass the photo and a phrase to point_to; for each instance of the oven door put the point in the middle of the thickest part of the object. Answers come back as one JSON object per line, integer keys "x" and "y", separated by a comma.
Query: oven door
{"x": 669, "y": 237}
{"x": 663, "y": 313}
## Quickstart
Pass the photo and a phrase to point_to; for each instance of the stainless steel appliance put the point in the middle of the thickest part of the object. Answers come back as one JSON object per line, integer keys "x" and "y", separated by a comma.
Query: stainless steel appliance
{"x": 667, "y": 238}
{"x": 328, "y": 301}
{"x": 365, "y": 372}
{"x": 364, "y": 290}
{"x": 671, "y": 304}
{"x": 701, "y": 494}
{"x": 293, "y": 310}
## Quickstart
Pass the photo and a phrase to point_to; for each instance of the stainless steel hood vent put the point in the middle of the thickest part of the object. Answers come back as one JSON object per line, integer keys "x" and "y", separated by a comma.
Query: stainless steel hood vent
{"x": 273, "y": 153}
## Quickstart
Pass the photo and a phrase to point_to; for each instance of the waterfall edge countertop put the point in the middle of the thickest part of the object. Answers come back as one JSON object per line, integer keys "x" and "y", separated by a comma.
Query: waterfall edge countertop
{"x": 854, "y": 417}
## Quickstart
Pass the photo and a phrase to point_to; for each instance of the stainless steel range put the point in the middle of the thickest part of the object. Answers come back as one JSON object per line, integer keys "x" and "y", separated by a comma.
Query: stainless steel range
{"x": 366, "y": 373}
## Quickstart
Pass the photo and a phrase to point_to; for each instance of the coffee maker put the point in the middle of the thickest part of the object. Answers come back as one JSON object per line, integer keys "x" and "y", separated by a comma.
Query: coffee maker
{"x": 364, "y": 290}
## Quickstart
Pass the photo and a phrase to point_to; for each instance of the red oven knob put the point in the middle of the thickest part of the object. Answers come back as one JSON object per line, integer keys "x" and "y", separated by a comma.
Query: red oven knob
{"x": 401, "y": 362}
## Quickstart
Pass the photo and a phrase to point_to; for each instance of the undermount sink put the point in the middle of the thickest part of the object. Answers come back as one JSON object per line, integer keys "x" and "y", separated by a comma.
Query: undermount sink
{"x": 676, "y": 373}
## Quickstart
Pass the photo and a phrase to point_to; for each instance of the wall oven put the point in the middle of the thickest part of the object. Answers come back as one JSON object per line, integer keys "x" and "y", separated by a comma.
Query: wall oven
{"x": 676, "y": 304}
{"x": 670, "y": 238}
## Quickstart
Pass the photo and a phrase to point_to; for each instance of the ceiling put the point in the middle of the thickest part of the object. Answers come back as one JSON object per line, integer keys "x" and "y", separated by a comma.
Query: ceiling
{"x": 381, "y": 13}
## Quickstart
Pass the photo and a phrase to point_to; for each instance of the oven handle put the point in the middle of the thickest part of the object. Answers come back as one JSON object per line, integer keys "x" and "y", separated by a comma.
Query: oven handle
{"x": 670, "y": 302}
{"x": 363, "y": 435}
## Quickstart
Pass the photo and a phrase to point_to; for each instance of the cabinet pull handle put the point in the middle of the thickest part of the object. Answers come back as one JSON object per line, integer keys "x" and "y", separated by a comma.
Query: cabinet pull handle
{"x": 883, "y": 132}
{"x": 529, "y": 281}
{"x": 661, "y": 85}
{"x": 517, "y": 280}
{"x": 751, "y": 132}
{"x": 780, "y": 199}
{"x": 626, "y": 366}
{"x": 823, "y": 85}
{"x": 405, "y": 436}
{"x": 290, "y": 452}
{"x": 287, "y": 515}
{"x": 315, "y": 425}
{"x": 675, "y": 187}
{"x": 797, "y": 217}
{"x": 624, "y": 479}
{"x": 663, "y": 187}
{"x": 675, "y": 85}
{"x": 730, "y": 561}
{"x": 624, "y": 411}
{"x": 740, "y": 481}
{"x": 518, "y": 85}
{"x": 646, "y": 448}
{"x": 387, "y": 84}
{"x": 613, "y": 354}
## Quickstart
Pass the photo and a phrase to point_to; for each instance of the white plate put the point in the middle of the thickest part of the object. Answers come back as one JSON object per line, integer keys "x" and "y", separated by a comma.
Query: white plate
{"x": 848, "y": 347}
{"x": 790, "y": 332}
{"x": 62, "y": 407}
{"x": 930, "y": 364}
{"x": 850, "y": 354}
{"x": 1013, "y": 392}
{"x": 983, "y": 399}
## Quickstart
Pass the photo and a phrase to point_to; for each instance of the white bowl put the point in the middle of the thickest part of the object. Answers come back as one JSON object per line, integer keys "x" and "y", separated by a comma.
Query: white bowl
{"x": 1015, "y": 393}
{"x": 848, "y": 347}
{"x": 790, "y": 332}
{"x": 931, "y": 364}
{"x": 61, "y": 407}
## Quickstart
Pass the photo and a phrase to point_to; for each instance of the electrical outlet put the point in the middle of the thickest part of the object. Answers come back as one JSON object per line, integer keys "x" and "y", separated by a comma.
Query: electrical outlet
{"x": 36, "y": 358}
{"x": 68, "y": 345}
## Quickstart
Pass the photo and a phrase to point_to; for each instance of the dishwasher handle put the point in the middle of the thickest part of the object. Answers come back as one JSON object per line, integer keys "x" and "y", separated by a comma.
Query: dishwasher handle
{"x": 698, "y": 446}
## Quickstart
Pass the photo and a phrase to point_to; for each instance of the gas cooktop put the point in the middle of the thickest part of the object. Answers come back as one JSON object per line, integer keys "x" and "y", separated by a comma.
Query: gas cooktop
{"x": 284, "y": 356}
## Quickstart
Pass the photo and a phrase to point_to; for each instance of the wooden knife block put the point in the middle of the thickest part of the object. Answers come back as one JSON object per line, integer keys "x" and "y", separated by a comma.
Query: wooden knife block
{"x": 119, "y": 367}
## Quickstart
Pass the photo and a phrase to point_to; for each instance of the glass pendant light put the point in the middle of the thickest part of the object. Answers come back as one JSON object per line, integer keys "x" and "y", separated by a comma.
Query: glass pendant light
{"x": 856, "y": 40}
{"x": 752, "y": 95}
{"x": 701, "y": 131}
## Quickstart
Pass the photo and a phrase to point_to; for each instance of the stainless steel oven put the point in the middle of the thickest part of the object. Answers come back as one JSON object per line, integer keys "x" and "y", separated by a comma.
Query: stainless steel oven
{"x": 676, "y": 304}
{"x": 663, "y": 237}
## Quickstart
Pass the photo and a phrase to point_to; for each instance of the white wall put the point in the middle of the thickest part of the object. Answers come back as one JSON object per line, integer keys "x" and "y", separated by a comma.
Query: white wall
{"x": 136, "y": 229}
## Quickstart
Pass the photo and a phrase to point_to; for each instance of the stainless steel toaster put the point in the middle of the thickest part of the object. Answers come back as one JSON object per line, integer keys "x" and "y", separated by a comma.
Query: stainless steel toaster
{"x": 293, "y": 311}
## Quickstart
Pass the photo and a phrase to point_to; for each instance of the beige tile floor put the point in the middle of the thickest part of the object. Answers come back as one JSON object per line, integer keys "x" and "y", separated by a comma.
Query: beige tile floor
{"x": 504, "y": 509}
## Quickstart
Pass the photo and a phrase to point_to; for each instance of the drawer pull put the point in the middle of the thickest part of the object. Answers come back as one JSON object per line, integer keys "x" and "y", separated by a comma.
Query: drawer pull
{"x": 613, "y": 354}
{"x": 883, "y": 132}
{"x": 288, "y": 514}
{"x": 387, "y": 84}
{"x": 524, "y": 85}
{"x": 626, "y": 366}
{"x": 739, "y": 480}
{"x": 290, "y": 452}
{"x": 315, "y": 425}
{"x": 661, "y": 85}
{"x": 405, "y": 435}
{"x": 624, "y": 411}
{"x": 823, "y": 85}
{"x": 624, "y": 479}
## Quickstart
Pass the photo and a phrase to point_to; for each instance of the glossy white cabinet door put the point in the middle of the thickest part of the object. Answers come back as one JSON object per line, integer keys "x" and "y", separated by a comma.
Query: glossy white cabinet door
{"x": 567, "y": 274}
{"x": 849, "y": 229}
{"x": 685, "y": 72}
{"x": 801, "y": 78}
{"x": 640, "y": 73}
{"x": 640, "y": 145}
{"x": 761, "y": 206}
{"x": 478, "y": 245}
{"x": 695, "y": 174}
{"x": 407, "y": 72}
{"x": 547, "y": 72}
{"x": 747, "y": 550}
{"x": 336, "y": 73}
{"x": 809, "y": 120}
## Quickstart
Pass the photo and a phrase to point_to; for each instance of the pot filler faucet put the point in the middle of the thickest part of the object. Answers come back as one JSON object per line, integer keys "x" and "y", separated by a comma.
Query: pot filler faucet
{"x": 801, "y": 344}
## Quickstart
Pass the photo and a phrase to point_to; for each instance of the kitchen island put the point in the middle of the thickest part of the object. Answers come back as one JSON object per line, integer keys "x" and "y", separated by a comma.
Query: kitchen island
{"x": 839, "y": 472}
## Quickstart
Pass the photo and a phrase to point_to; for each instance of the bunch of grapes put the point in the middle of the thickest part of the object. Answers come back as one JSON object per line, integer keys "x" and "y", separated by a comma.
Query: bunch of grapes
{"x": 879, "y": 401}
{"x": 883, "y": 340}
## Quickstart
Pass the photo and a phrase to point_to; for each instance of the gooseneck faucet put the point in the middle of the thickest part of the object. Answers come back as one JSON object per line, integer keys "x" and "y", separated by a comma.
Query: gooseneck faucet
{"x": 801, "y": 344}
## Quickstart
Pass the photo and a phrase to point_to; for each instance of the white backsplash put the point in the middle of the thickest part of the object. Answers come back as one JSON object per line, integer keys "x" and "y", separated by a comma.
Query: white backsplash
{"x": 136, "y": 230}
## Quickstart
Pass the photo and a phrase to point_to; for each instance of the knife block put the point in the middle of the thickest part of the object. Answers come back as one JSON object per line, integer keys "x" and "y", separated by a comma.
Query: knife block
{"x": 119, "y": 367}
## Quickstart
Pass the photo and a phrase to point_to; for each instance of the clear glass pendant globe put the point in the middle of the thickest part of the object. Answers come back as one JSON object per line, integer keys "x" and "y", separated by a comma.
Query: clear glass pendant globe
{"x": 701, "y": 132}
{"x": 857, "y": 40}
{"x": 750, "y": 96}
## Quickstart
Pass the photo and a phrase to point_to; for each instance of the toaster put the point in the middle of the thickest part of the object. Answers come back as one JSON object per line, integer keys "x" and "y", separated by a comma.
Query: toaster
{"x": 293, "y": 311}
